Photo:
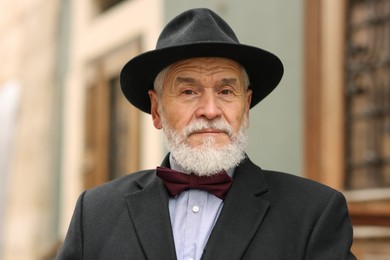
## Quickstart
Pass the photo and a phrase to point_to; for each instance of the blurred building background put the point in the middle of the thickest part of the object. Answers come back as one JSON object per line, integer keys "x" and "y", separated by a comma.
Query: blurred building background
{"x": 65, "y": 127}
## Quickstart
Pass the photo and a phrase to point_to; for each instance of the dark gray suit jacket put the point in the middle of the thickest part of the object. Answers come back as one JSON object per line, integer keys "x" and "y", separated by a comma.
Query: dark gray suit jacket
{"x": 266, "y": 215}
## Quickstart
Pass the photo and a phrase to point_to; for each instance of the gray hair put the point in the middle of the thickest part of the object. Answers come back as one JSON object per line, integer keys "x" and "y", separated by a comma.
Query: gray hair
{"x": 159, "y": 80}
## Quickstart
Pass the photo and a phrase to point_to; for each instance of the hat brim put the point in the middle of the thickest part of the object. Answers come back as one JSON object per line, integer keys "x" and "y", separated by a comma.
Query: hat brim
{"x": 264, "y": 69}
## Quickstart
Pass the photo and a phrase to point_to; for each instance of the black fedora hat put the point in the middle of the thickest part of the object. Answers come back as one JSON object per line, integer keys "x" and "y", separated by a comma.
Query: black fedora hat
{"x": 198, "y": 33}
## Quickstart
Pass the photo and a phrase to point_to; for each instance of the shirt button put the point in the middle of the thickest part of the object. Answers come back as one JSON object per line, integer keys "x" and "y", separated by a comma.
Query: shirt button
{"x": 195, "y": 209}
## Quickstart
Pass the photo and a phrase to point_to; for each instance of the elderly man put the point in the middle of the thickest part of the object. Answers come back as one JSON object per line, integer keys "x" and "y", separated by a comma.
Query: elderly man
{"x": 207, "y": 200}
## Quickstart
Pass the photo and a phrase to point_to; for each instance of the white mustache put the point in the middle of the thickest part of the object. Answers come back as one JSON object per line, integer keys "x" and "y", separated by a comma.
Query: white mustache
{"x": 202, "y": 124}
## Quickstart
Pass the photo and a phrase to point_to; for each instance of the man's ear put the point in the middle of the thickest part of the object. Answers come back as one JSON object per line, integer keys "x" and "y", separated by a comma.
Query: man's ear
{"x": 248, "y": 100}
{"x": 248, "y": 105}
{"x": 154, "y": 109}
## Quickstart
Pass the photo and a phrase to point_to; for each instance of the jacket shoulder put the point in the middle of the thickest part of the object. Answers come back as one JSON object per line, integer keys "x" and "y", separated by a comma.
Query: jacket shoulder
{"x": 294, "y": 183}
{"x": 286, "y": 183}
{"x": 295, "y": 193}
{"x": 122, "y": 185}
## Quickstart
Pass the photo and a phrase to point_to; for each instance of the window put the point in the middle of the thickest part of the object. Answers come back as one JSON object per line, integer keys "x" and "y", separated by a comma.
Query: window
{"x": 367, "y": 92}
{"x": 347, "y": 106}
{"x": 112, "y": 123}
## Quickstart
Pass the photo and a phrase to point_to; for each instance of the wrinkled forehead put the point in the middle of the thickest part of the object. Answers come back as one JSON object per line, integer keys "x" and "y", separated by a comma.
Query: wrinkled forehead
{"x": 211, "y": 67}
{"x": 202, "y": 66}
{"x": 206, "y": 65}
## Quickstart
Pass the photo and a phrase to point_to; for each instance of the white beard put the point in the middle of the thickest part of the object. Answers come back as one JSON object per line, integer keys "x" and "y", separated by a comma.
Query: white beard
{"x": 206, "y": 160}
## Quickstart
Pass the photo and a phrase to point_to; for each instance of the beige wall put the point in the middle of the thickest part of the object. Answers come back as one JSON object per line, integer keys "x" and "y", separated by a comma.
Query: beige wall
{"x": 46, "y": 46}
{"x": 28, "y": 48}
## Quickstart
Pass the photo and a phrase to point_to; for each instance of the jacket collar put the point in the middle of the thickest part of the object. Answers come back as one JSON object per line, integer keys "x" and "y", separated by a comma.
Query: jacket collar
{"x": 243, "y": 211}
{"x": 148, "y": 209}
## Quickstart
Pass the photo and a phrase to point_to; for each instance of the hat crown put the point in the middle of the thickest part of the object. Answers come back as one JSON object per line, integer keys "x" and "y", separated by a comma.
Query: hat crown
{"x": 198, "y": 33}
{"x": 196, "y": 26}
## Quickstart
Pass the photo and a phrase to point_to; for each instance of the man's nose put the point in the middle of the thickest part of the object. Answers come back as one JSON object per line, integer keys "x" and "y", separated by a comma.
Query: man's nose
{"x": 209, "y": 106}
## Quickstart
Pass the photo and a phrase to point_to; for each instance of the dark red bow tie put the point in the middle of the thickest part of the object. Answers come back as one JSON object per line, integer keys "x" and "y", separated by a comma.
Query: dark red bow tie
{"x": 176, "y": 182}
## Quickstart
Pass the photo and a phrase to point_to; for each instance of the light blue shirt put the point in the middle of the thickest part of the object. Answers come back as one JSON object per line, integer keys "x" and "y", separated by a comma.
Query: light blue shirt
{"x": 193, "y": 215}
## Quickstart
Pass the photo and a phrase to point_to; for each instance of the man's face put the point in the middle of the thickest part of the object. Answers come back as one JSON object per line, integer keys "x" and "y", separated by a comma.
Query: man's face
{"x": 203, "y": 88}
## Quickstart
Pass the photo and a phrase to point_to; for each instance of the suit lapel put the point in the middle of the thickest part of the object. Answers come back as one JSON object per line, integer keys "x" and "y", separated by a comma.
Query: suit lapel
{"x": 148, "y": 208}
{"x": 241, "y": 215}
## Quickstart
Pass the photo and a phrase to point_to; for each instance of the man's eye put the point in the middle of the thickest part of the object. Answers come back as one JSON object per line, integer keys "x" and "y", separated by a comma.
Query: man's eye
{"x": 226, "y": 92}
{"x": 188, "y": 92}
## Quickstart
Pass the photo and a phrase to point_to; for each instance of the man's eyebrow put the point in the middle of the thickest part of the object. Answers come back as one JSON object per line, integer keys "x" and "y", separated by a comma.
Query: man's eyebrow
{"x": 189, "y": 80}
{"x": 228, "y": 81}
{"x": 179, "y": 80}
